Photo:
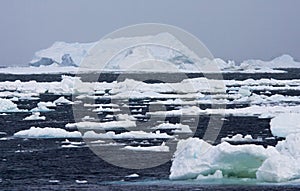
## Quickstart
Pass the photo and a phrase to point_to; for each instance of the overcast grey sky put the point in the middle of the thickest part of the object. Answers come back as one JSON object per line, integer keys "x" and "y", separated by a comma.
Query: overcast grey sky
{"x": 231, "y": 29}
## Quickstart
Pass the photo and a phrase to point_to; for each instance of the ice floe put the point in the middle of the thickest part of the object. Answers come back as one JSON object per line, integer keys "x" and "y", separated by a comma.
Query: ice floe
{"x": 34, "y": 116}
{"x": 8, "y": 106}
{"x": 62, "y": 100}
{"x": 102, "y": 125}
{"x": 47, "y": 132}
{"x": 160, "y": 148}
{"x": 127, "y": 135}
{"x": 176, "y": 128}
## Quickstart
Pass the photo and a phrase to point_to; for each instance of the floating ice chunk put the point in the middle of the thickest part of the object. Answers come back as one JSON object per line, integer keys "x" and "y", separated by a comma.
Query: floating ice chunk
{"x": 8, "y": 106}
{"x": 102, "y": 125}
{"x": 162, "y": 148}
{"x": 127, "y": 135}
{"x": 62, "y": 100}
{"x": 47, "y": 132}
{"x": 42, "y": 107}
{"x": 81, "y": 181}
{"x": 285, "y": 124}
{"x": 177, "y": 128}
{"x": 54, "y": 181}
{"x": 125, "y": 117}
{"x": 34, "y": 116}
{"x": 193, "y": 110}
{"x": 88, "y": 118}
{"x": 132, "y": 176}
{"x": 101, "y": 109}
{"x": 194, "y": 157}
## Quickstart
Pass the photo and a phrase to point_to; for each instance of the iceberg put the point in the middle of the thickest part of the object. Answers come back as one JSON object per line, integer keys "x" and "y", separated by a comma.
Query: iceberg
{"x": 284, "y": 61}
{"x": 62, "y": 53}
{"x": 72, "y": 54}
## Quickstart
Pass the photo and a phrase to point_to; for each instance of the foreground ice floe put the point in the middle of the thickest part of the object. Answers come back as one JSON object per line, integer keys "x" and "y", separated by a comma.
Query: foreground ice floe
{"x": 285, "y": 165}
{"x": 194, "y": 158}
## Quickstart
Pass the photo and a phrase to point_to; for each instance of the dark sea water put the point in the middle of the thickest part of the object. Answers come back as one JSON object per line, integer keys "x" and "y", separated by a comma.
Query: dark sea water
{"x": 42, "y": 164}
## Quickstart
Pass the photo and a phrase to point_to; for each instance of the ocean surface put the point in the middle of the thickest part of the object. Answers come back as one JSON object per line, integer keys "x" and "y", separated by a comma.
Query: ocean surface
{"x": 43, "y": 164}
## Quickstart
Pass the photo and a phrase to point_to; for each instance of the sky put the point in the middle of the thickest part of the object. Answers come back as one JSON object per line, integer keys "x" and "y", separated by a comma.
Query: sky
{"x": 231, "y": 29}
